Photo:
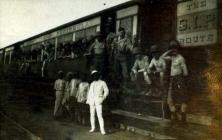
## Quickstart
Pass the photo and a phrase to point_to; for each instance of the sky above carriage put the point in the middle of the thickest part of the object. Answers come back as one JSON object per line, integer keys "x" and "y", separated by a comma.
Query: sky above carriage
{"x": 21, "y": 19}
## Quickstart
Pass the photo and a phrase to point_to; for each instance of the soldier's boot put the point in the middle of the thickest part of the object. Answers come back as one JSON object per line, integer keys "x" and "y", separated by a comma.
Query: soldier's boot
{"x": 183, "y": 121}
{"x": 174, "y": 118}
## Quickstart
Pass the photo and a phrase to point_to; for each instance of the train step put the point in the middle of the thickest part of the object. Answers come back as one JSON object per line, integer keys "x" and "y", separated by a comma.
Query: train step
{"x": 159, "y": 128}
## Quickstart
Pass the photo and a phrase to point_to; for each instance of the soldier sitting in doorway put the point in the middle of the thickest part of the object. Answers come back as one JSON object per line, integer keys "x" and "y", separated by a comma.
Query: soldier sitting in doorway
{"x": 157, "y": 67}
{"x": 141, "y": 68}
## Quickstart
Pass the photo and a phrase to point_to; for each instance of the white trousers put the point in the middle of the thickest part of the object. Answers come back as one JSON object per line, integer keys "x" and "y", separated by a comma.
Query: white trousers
{"x": 58, "y": 102}
{"x": 96, "y": 109}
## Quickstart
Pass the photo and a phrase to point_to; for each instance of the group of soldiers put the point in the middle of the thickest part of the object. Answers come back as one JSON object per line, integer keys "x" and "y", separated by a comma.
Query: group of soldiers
{"x": 113, "y": 53}
{"x": 73, "y": 93}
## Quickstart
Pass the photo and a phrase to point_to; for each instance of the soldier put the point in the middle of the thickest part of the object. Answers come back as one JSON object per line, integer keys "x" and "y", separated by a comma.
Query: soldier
{"x": 98, "y": 50}
{"x": 74, "y": 84}
{"x": 177, "y": 91}
{"x": 81, "y": 100}
{"x": 157, "y": 67}
{"x": 124, "y": 47}
{"x": 114, "y": 48}
{"x": 98, "y": 92}
{"x": 66, "y": 98}
{"x": 141, "y": 65}
{"x": 109, "y": 38}
{"x": 59, "y": 88}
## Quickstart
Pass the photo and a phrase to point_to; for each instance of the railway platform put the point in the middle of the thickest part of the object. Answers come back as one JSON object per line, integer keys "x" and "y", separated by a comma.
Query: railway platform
{"x": 29, "y": 115}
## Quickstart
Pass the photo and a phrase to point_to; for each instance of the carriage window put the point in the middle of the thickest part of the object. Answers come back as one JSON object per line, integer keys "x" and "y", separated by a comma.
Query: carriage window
{"x": 65, "y": 38}
{"x": 90, "y": 31}
{"x": 79, "y": 35}
{"x": 127, "y": 24}
{"x": 7, "y": 57}
{"x": 36, "y": 52}
{"x": 1, "y": 57}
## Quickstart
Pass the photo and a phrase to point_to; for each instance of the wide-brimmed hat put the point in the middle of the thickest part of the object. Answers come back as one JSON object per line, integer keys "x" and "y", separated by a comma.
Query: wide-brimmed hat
{"x": 94, "y": 71}
{"x": 60, "y": 73}
{"x": 174, "y": 44}
{"x": 155, "y": 49}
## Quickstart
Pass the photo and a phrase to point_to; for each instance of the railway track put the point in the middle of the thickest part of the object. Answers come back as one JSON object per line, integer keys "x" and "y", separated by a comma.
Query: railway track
{"x": 12, "y": 129}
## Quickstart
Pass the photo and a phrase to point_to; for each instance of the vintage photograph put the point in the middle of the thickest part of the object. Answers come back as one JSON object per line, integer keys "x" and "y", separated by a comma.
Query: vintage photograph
{"x": 111, "y": 69}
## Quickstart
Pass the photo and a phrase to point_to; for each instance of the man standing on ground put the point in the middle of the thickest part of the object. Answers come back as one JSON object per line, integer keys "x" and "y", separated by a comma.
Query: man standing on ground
{"x": 98, "y": 92}
{"x": 177, "y": 94}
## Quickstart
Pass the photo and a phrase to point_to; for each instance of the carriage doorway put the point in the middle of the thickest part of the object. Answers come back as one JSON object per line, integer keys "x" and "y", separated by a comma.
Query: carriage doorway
{"x": 108, "y": 23}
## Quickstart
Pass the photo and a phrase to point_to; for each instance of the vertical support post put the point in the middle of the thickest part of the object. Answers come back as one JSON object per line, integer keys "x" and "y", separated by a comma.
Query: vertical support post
{"x": 56, "y": 46}
{"x": 117, "y": 25}
{"x": 5, "y": 56}
{"x": 10, "y": 56}
{"x": 135, "y": 22}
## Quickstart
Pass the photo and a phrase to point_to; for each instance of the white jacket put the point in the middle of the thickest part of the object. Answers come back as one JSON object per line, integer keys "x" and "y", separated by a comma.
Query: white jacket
{"x": 98, "y": 92}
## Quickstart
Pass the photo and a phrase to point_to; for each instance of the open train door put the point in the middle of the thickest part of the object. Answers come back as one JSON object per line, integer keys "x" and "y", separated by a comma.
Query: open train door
{"x": 108, "y": 23}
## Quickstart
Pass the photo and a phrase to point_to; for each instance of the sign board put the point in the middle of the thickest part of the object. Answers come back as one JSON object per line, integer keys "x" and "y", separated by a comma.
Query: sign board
{"x": 198, "y": 38}
{"x": 80, "y": 26}
{"x": 197, "y": 22}
{"x": 193, "y": 6}
{"x": 70, "y": 29}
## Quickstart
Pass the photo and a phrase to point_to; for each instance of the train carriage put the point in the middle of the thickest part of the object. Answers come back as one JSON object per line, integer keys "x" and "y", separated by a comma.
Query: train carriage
{"x": 136, "y": 17}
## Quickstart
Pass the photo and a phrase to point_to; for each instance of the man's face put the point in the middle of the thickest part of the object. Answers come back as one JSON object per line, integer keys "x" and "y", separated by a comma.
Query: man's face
{"x": 121, "y": 34}
{"x": 157, "y": 55}
{"x": 174, "y": 52}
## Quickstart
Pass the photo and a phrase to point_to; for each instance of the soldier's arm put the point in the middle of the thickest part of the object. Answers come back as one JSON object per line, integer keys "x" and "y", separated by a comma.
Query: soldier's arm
{"x": 165, "y": 55}
{"x": 90, "y": 50}
{"x": 135, "y": 66}
{"x": 151, "y": 64}
{"x": 184, "y": 66}
{"x": 164, "y": 64}
{"x": 129, "y": 45}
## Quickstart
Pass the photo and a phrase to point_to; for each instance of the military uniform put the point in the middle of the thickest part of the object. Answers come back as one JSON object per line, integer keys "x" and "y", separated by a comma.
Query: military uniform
{"x": 124, "y": 47}
{"x": 157, "y": 67}
{"x": 81, "y": 101}
{"x": 142, "y": 66}
{"x": 177, "y": 94}
{"x": 59, "y": 87}
{"x": 99, "y": 50}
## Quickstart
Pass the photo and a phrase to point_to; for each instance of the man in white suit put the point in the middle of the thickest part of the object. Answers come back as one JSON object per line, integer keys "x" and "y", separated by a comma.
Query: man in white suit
{"x": 98, "y": 92}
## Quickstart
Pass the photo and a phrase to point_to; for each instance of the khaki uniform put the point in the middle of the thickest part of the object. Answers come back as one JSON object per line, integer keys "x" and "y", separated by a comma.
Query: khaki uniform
{"x": 124, "y": 47}
{"x": 59, "y": 87}
{"x": 142, "y": 66}
{"x": 81, "y": 101}
{"x": 98, "y": 49}
{"x": 160, "y": 68}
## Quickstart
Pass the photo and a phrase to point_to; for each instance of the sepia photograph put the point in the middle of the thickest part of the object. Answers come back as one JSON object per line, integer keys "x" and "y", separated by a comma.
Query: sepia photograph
{"x": 111, "y": 69}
